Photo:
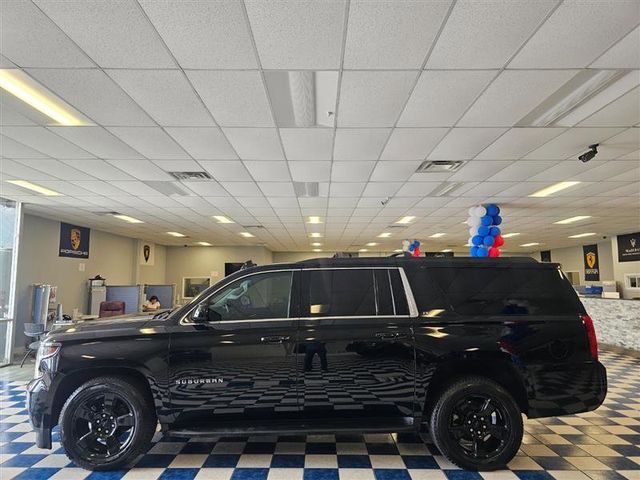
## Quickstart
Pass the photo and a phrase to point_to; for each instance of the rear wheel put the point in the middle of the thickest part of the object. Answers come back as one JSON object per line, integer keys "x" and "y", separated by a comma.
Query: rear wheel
{"x": 476, "y": 424}
{"x": 107, "y": 423}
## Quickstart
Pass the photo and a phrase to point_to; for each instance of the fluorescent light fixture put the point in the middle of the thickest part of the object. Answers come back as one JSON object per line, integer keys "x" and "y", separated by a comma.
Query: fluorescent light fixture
{"x": 407, "y": 219}
{"x": 204, "y": 244}
{"x": 126, "y": 218}
{"x": 509, "y": 235}
{"x": 384, "y": 235}
{"x": 571, "y": 220}
{"x": 397, "y": 250}
{"x": 246, "y": 235}
{"x": 35, "y": 188}
{"x": 316, "y": 244}
{"x": 317, "y": 249}
{"x": 363, "y": 250}
{"x": 466, "y": 245}
{"x": 371, "y": 244}
{"x": 446, "y": 250}
{"x": 555, "y": 188}
{"x": 176, "y": 234}
{"x": 437, "y": 235}
{"x": 222, "y": 219}
{"x": 532, "y": 244}
{"x": 315, "y": 235}
{"x": 314, "y": 219}
{"x": 20, "y": 85}
{"x": 580, "y": 235}
{"x": 445, "y": 189}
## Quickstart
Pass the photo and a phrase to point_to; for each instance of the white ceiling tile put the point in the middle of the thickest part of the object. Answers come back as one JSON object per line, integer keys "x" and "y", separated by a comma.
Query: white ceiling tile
{"x": 297, "y": 34}
{"x": 9, "y": 148}
{"x": 412, "y": 143}
{"x": 94, "y": 94}
{"x": 203, "y": 143}
{"x": 359, "y": 144}
{"x": 268, "y": 171}
{"x": 255, "y": 143}
{"x": 45, "y": 141}
{"x": 381, "y": 189}
{"x": 478, "y": 170}
{"x": 242, "y": 189}
{"x": 513, "y": 95}
{"x": 485, "y": 189}
{"x": 278, "y": 189}
{"x": 204, "y": 34}
{"x": 166, "y": 95}
{"x": 521, "y": 171}
{"x": 517, "y": 142}
{"x": 572, "y": 142}
{"x": 441, "y": 97}
{"x": 464, "y": 143}
{"x": 30, "y": 39}
{"x": 229, "y": 171}
{"x": 99, "y": 169}
{"x": 624, "y": 54}
{"x": 486, "y": 34}
{"x": 398, "y": 170}
{"x": 357, "y": 171}
{"x": 625, "y": 111}
{"x": 307, "y": 143}
{"x": 606, "y": 170}
{"x": 107, "y": 189}
{"x": 347, "y": 189}
{"x": 97, "y": 141}
{"x": 178, "y": 165}
{"x": 417, "y": 189}
{"x": 373, "y": 98}
{"x": 561, "y": 171}
{"x": 56, "y": 168}
{"x": 205, "y": 189}
{"x": 577, "y": 33}
{"x": 115, "y": 34}
{"x": 11, "y": 115}
{"x": 234, "y": 98}
{"x": 619, "y": 146}
{"x": 152, "y": 142}
{"x": 392, "y": 34}
{"x": 142, "y": 170}
{"x": 311, "y": 171}
{"x": 22, "y": 172}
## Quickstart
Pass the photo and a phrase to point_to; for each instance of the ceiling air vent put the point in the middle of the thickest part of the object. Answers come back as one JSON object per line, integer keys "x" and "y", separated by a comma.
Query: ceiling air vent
{"x": 440, "y": 166}
{"x": 306, "y": 189}
{"x": 167, "y": 188}
{"x": 191, "y": 176}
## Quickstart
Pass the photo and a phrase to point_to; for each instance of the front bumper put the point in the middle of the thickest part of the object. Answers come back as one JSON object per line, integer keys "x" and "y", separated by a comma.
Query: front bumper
{"x": 39, "y": 408}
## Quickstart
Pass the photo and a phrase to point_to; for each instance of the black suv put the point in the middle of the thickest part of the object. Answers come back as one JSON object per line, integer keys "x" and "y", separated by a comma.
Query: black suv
{"x": 458, "y": 348}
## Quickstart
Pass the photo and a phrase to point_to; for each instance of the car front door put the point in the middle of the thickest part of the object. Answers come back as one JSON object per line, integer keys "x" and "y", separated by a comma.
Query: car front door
{"x": 232, "y": 358}
{"x": 355, "y": 348}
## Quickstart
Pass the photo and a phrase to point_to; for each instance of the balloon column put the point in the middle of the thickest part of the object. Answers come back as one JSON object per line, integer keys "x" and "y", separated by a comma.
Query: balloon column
{"x": 485, "y": 239}
{"x": 411, "y": 248}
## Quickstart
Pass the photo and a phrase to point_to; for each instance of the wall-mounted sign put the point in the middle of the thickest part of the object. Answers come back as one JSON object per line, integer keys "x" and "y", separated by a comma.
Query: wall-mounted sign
{"x": 545, "y": 255}
{"x": 74, "y": 241}
{"x": 146, "y": 253}
{"x": 629, "y": 247}
{"x": 591, "y": 264}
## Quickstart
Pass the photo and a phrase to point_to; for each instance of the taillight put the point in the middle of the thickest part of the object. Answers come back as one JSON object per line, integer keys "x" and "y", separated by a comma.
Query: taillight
{"x": 591, "y": 335}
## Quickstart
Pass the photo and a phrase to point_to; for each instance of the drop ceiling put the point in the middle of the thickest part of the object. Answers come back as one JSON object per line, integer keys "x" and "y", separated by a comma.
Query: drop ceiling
{"x": 180, "y": 86}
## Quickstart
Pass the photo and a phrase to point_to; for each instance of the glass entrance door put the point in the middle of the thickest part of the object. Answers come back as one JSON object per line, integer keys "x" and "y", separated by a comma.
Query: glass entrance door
{"x": 9, "y": 233}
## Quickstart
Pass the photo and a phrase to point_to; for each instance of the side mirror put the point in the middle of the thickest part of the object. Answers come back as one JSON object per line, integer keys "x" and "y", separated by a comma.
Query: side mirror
{"x": 202, "y": 314}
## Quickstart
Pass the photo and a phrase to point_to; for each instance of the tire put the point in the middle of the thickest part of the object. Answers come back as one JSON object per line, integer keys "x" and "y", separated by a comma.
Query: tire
{"x": 476, "y": 424}
{"x": 122, "y": 411}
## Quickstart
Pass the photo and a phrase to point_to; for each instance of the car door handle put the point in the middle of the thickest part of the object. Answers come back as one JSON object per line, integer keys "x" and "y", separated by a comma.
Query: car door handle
{"x": 274, "y": 339}
{"x": 390, "y": 335}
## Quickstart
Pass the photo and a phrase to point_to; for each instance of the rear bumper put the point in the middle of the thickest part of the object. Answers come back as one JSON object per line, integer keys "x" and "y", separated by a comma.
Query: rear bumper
{"x": 566, "y": 389}
{"x": 38, "y": 406}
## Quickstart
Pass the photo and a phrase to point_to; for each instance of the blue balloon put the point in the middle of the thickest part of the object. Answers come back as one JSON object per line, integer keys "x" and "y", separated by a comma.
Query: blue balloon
{"x": 488, "y": 240}
{"x": 477, "y": 239}
{"x": 483, "y": 230}
{"x": 486, "y": 220}
{"x": 492, "y": 210}
{"x": 494, "y": 232}
{"x": 497, "y": 220}
{"x": 483, "y": 252}
{"x": 473, "y": 251}
{"x": 411, "y": 248}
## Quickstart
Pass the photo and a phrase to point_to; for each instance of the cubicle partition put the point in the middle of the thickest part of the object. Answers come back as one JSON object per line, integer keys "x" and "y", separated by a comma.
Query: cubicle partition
{"x": 165, "y": 294}
{"x": 131, "y": 295}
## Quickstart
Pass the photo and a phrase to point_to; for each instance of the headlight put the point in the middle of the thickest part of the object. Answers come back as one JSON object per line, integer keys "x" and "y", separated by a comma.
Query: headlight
{"x": 46, "y": 350}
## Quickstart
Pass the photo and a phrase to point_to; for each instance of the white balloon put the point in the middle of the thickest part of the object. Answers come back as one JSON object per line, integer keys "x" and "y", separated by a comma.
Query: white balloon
{"x": 481, "y": 211}
{"x": 473, "y": 231}
{"x": 472, "y": 211}
{"x": 470, "y": 241}
{"x": 473, "y": 221}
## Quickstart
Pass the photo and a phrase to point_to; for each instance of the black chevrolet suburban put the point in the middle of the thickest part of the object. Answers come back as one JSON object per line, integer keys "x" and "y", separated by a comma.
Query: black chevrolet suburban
{"x": 457, "y": 348}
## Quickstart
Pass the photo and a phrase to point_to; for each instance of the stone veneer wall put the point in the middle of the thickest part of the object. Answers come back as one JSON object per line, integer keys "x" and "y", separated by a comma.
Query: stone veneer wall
{"x": 617, "y": 322}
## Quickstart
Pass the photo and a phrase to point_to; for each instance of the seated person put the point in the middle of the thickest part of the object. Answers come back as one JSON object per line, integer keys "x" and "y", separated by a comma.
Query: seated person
{"x": 152, "y": 304}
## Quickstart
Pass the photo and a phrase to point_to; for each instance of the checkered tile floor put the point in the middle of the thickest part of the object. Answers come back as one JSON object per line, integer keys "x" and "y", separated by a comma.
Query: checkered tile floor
{"x": 600, "y": 445}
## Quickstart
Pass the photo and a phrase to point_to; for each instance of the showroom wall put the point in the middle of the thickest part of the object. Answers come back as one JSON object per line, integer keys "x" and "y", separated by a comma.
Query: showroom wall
{"x": 620, "y": 269}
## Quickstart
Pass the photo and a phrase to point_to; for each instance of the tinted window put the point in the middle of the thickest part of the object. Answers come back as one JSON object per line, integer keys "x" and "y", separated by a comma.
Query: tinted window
{"x": 399, "y": 295}
{"x": 346, "y": 292}
{"x": 383, "y": 291}
{"x": 265, "y": 295}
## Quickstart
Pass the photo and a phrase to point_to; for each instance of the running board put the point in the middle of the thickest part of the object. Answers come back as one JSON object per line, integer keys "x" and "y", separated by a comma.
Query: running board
{"x": 292, "y": 427}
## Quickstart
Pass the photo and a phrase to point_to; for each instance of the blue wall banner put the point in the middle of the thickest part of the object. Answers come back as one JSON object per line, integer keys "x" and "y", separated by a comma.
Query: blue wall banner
{"x": 591, "y": 263}
{"x": 74, "y": 241}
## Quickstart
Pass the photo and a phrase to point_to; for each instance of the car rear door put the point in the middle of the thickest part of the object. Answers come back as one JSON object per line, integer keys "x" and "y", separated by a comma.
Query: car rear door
{"x": 355, "y": 349}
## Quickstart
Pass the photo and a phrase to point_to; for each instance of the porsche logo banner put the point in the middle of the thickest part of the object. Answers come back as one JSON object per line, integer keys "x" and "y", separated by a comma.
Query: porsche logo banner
{"x": 74, "y": 241}
{"x": 591, "y": 265}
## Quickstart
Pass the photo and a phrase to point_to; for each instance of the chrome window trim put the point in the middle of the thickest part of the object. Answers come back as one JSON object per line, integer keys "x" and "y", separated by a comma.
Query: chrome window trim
{"x": 413, "y": 308}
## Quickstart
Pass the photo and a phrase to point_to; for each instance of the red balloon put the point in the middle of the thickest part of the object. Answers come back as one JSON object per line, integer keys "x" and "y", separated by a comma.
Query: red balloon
{"x": 494, "y": 252}
{"x": 499, "y": 241}
{"x": 416, "y": 252}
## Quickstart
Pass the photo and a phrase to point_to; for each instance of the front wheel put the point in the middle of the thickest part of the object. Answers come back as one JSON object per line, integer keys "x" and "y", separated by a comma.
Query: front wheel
{"x": 476, "y": 424}
{"x": 107, "y": 424}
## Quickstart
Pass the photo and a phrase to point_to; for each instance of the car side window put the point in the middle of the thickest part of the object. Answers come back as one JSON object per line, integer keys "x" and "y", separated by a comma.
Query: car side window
{"x": 260, "y": 296}
{"x": 340, "y": 292}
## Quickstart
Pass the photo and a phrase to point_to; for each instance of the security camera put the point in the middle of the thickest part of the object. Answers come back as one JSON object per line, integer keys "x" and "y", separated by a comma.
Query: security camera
{"x": 593, "y": 151}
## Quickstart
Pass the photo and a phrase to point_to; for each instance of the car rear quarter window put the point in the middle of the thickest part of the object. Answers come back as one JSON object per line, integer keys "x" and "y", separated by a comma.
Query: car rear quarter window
{"x": 340, "y": 292}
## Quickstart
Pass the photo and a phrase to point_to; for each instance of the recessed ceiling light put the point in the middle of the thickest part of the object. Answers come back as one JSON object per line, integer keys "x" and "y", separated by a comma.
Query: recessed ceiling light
{"x": 363, "y": 250}
{"x": 204, "y": 244}
{"x": 223, "y": 219}
{"x": 316, "y": 244}
{"x": 127, "y": 218}
{"x": 550, "y": 190}
{"x": 466, "y": 245}
{"x": 314, "y": 219}
{"x": 446, "y": 250}
{"x": 437, "y": 235}
{"x": 384, "y": 235}
{"x": 509, "y": 235}
{"x": 23, "y": 87}
{"x": 532, "y": 244}
{"x": 407, "y": 219}
{"x": 397, "y": 250}
{"x": 35, "y": 188}
{"x": 371, "y": 244}
{"x": 317, "y": 249}
{"x": 571, "y": 220}
{"x": 246, "y": 235}
{"x": 315, "y": 235}
{"x": 580, "y": 235}
{"x": 176, "y": 234}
